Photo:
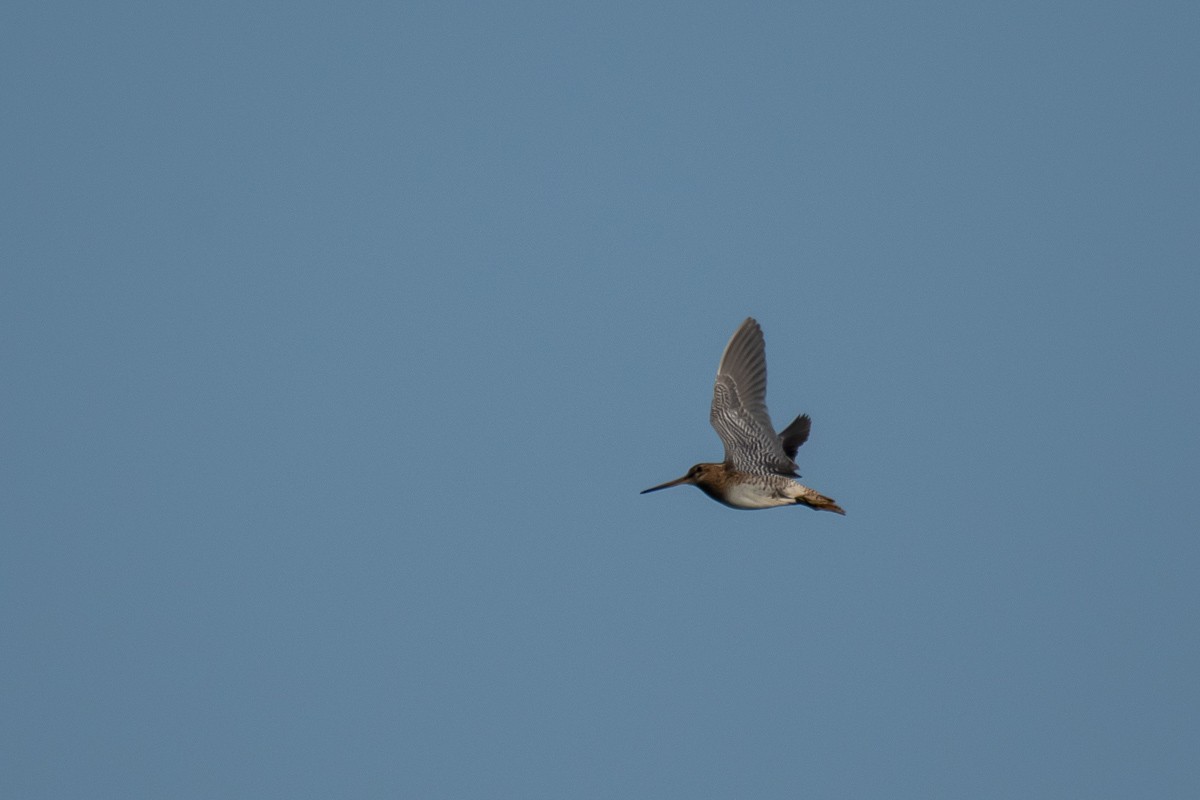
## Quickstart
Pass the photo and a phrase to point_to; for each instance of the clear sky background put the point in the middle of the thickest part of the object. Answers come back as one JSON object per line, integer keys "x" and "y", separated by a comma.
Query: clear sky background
{"x": 339, "y": 339}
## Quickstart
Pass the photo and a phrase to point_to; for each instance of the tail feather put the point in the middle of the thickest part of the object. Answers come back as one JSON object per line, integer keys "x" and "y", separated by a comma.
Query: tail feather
{"x": 820, "y": 502}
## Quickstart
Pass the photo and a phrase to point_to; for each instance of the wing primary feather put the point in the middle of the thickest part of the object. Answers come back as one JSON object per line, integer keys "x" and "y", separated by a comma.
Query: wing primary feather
{"x": 795, "y": 435}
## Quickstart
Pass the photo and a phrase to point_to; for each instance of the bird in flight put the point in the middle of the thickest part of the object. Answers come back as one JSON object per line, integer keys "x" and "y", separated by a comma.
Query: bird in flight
{"x": 758, "y": 471}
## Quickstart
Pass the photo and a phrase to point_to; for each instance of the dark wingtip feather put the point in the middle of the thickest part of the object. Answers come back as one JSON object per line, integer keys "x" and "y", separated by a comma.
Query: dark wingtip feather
{"x": 795, "y": 435}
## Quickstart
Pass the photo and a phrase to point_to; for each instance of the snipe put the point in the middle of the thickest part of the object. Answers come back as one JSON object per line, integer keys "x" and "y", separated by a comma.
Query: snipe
{"x": 758, "y": 471}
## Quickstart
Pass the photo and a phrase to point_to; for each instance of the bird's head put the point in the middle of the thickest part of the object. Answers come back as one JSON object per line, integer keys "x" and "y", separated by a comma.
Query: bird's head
{"x": 697, "y": 475}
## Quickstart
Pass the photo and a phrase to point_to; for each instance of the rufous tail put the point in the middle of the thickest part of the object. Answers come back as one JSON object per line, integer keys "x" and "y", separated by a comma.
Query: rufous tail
{"x": 820, "y": 502}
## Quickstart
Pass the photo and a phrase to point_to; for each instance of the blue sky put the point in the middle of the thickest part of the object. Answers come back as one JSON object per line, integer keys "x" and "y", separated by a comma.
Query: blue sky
{"x": 338, "y": 341}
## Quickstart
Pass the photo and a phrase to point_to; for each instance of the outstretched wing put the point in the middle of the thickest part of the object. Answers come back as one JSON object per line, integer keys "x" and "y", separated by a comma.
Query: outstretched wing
{"x": 795, "y": 435}
{"x": 739, "y": 409}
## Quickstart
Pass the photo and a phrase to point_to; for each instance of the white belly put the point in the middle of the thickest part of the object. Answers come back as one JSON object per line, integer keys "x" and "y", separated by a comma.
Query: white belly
{"x": 749, "y": 496}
